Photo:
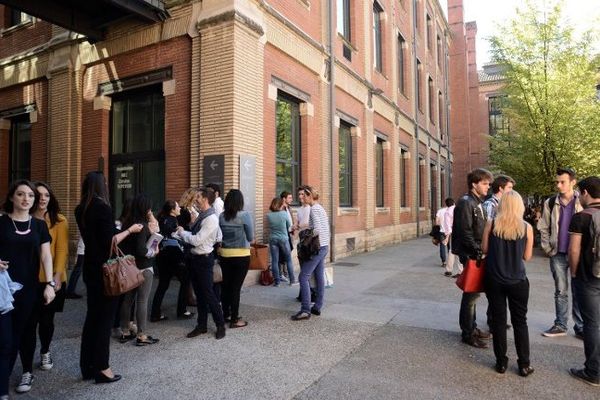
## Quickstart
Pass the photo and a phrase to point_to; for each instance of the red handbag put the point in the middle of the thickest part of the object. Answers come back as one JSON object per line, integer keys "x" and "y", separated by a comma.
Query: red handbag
{"x": 471, "y": 279}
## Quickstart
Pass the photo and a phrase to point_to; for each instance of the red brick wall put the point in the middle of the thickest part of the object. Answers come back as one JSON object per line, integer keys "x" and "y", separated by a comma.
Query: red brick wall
{"x": 16, "y": 96}
{"x": 96, "y": 123}
{"x": 24, "y": 38}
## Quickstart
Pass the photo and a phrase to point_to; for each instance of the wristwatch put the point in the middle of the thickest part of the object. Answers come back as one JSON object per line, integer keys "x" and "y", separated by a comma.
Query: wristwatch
{"x": 51, "y": 284}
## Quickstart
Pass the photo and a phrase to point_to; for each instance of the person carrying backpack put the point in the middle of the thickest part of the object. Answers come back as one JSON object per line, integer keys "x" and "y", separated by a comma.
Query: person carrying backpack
{"x": 584, "y": 261}
{"x": 554, "y": 230}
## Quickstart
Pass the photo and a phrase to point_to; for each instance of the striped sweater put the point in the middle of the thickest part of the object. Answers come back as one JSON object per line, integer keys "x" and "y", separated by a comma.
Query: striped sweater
{"x": 320, "y": 223}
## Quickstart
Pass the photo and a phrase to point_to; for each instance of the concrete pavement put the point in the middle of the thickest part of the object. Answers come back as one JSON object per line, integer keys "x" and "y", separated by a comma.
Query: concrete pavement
{"x": 389, "y": 330}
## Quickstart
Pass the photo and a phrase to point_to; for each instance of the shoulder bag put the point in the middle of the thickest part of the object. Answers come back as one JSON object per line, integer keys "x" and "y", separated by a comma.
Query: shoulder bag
{"x": 120, "y": 273}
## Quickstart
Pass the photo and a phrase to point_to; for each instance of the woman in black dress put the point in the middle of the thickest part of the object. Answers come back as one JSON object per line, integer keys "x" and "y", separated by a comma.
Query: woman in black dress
{"x": 24, "y": 244}
{"x": 95, "y": 221}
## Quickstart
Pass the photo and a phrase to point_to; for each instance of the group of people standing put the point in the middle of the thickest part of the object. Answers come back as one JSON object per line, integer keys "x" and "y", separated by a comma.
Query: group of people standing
{"x": 198, "y": 230}
{"x": 495, "y": 229}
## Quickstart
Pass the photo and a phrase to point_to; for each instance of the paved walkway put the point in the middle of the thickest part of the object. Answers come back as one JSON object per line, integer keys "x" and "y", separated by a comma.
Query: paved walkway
{"x": 389, "y": 330}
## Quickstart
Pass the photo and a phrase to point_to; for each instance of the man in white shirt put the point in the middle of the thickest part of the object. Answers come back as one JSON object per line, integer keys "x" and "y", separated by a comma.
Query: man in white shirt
{"x": 447, "y": 227}
{"x": 444, "y": 231}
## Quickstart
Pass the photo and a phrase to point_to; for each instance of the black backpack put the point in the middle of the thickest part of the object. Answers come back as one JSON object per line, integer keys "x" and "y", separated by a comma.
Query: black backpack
{"x": 309, "y": 245}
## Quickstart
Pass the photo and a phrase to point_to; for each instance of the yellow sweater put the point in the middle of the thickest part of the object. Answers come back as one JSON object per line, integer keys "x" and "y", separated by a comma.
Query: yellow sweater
{"x": 59, "y": 248}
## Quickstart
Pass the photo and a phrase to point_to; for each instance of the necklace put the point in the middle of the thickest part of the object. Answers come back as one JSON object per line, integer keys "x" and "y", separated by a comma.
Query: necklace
{"x": 25, "y": 232}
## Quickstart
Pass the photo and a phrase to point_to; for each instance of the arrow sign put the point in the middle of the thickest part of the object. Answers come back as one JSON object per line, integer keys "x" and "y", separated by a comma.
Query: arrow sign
{"x": 213, "y": 170}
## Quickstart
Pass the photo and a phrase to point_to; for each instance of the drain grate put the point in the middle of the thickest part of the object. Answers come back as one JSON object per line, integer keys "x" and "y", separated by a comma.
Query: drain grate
{"x": 346, "y": 264}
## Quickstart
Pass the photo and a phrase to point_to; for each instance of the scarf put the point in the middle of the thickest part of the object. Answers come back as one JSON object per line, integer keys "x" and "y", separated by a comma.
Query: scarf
{"x": 197, "y": 223}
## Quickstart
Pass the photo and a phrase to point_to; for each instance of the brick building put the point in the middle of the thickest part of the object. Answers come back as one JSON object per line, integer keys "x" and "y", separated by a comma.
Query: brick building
{"x": 468, "y": 116}
{"x": 239, "y": 92}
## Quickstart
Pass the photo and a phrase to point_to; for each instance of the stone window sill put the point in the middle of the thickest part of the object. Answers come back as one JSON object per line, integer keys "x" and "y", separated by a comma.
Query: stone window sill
{"x": 382, "y": 210}
{"x": 354, "y": 211}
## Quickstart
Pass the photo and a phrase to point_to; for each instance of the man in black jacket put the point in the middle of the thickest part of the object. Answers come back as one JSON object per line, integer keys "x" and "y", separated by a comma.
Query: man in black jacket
{"x": 467, "y": 230}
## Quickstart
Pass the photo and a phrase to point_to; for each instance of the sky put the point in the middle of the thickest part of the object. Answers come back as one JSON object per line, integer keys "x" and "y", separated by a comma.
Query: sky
{"x": 488, "y": 13}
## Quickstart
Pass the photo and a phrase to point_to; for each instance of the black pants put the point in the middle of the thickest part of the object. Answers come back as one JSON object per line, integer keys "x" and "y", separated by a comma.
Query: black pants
{"x": 170, "y": 264}
{"x": 518, "y": 297}
{"x": 42, "y": 320}
{"x": 234, "y": 270}
{"x": 75, "y": 274}
{"x": 95, "y": 339}
{"x": 201, "y": 274}
{"x": 12, "y": 326}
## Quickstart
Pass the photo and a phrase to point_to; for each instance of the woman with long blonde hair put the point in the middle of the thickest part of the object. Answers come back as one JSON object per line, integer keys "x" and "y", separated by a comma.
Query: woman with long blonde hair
{"x": 508, "y": 242}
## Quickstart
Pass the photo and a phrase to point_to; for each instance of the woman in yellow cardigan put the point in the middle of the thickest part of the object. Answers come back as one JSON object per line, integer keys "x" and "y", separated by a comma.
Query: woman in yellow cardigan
{"x": 47, "y": 209}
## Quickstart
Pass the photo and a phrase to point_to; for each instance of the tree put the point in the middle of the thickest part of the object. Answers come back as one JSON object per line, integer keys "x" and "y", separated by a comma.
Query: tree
{"x": 554, "y": 114}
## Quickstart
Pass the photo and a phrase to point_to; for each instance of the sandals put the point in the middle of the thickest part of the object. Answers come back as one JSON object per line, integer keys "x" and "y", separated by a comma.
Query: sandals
{"x": 145, "y": 341}
{"x": 238, "y": 324}
{"x": 159, "y": 318}
{"x": 126, "y": 338}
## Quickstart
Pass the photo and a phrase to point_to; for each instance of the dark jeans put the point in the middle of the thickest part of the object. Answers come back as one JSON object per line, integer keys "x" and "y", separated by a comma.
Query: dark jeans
{"x": 588, "y": 294}
{"x": 443, "y": 251}
{"x": 12, "y": 326}
{"x": 518, "y": 296}
{"x": 75, "y": 274}
{"x": 234, "y": 270}
{"x": 170, "y": 264}
{"x": 201, "y": 275}
{"x": 467, "y": 316}
{"x": 95, "y": 339}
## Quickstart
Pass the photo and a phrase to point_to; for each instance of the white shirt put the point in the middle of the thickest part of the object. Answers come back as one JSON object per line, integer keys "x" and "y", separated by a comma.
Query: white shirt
{"x": 447, "y": 220}
{"x": 203, "y": 241}
{"x": 439, "y": 218}
{"x": 303, "y": 217}
{"x": 219, "y": 206}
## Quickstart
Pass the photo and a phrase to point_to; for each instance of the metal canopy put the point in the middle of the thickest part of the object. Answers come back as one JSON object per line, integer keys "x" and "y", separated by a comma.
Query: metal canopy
{"x": 90, "y": 17}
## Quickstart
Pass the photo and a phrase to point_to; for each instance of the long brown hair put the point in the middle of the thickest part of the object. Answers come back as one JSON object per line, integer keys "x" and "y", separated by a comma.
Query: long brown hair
{"x": 93, "y": 186}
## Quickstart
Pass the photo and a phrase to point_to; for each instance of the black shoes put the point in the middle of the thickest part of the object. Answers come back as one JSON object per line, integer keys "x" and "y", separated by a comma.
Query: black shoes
{"x": 220, "y": 334}
{"x": 196, "y": 332}
{"x": 526, "y": 371}
{"x": 159, "y": 318}
{"x": 500, "y": 368}
{"x": 300, "y": 316}
{"x": 186, "y": 315}
{"x": 581, "y": 375}
{"x": 101, "y": 378}
{"x": 314, "y": 311}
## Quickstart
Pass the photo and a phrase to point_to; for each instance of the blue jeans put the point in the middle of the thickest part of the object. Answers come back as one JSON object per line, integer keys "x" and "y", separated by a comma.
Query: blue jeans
{"x": 275, "y": 245}
{"x": 560, "y": 272}
{"x": 443, "y": 251}
{"x": 588, "y": 295}
{"x": 316, "y": 265}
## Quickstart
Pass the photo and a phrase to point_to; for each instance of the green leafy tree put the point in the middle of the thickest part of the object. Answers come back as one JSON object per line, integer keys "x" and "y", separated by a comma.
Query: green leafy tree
{"x": 554, "y": 114}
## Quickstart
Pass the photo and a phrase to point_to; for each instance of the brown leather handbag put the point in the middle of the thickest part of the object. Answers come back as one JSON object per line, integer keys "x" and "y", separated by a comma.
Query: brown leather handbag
{"x": 259, "y": 257}
{"x": 120, "y": 273}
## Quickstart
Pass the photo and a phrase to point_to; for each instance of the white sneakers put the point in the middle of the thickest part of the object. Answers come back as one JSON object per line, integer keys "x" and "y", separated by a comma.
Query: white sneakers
{"x": 25, "y": 384}
{"x": 46, "y": 363}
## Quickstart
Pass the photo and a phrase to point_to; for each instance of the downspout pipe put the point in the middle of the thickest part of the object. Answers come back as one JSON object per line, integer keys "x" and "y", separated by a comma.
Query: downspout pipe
{"x": 416, "y": 115}
{"x": 448, "y": 144}
{"x": 332, "y": 130}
